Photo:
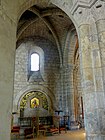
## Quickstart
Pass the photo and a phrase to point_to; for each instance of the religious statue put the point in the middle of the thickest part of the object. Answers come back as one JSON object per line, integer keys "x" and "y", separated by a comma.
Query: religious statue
{"x": 34, "y": 103}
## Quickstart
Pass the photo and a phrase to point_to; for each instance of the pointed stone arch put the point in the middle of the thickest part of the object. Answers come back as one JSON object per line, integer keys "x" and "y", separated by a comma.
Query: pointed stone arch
{"x": 63, "y": 5}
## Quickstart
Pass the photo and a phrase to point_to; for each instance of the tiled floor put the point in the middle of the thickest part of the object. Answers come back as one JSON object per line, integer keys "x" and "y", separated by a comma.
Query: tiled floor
{"x": 70, "y": 135}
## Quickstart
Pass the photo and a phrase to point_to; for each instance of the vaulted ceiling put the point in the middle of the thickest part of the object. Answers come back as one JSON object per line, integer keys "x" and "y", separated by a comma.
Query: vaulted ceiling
{"x": 48, "y": 22}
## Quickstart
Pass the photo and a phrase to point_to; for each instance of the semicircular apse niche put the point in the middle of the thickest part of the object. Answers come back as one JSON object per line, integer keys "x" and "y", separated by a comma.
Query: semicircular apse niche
{"x": 33, "y": 101}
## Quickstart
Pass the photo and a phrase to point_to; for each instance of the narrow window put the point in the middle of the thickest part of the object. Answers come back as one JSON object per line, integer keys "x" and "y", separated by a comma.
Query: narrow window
{"x": 34, "y": 62}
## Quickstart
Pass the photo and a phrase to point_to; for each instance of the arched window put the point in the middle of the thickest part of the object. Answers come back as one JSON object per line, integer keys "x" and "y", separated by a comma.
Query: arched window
{"x": 34, "y": 62}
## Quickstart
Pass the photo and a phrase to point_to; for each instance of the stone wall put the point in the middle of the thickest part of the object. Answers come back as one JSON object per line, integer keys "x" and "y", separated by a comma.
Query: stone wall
{"x": 48, "y": 77}
{"x": 87, "y": 16}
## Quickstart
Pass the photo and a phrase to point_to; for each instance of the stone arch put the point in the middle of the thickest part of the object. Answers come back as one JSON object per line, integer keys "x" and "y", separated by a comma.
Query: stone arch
{"x": 65, "y": 6}
{"x": 68, "y": 45}
{"x": 50, "y": 96}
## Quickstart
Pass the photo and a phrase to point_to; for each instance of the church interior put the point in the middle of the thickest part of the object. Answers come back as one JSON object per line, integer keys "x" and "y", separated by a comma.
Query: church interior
{"x": 52, "y": 69}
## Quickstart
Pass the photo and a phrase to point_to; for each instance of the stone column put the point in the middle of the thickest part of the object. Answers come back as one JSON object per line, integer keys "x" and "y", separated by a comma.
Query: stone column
{"x": 90, "y": 94}
{"x": 68, "y": 92}
{"x": 75, "y": 85}
{"x": 59, "y": 91}
{"x": 70, "y": 97}
{"x": 98, "y": 11}
{"x": 7, "y": 57}
{"x": 100, "y": 24}
{"x": 91, "y": 76}
{"x": 65, "y": 82}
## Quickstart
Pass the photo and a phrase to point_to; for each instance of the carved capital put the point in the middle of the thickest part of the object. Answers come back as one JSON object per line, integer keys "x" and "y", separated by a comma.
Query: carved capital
{"x": 81, "y": 3}
{"x": 82, "y": 11}
{"x": 98, "y": 10}
{"x": 82, "y": 15}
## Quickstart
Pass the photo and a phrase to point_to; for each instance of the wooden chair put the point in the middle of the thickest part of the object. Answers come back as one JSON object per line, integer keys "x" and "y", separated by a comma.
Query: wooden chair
{"x": 54, "y": 130}
{"x": 28, "y": 132}
{"x": 15, "y": 131}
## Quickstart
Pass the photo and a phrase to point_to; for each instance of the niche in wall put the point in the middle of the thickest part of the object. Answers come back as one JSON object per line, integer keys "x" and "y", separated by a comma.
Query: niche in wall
{"x": 31, "y": 101}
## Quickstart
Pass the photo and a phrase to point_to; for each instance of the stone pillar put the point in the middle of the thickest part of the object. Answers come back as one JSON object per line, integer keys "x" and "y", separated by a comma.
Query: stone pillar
{"x": 65, "y": 82}
{"x": 87, "y": 81}
{"x": 98, "y": 11}
{"x": 92, "y": 84}
{"x": 101, "y": 39}
{"x": 91, "y": 74}
{"x": 75, "y": 82}
{"x": 68, "y": 92}
{"x": 70, "y": 97}
{"x": 59, "y": 91}
{"x": 7, "y": 57}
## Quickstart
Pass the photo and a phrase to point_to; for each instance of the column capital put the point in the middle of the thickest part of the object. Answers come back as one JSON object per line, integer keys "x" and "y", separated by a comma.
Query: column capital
{"x": 81, "y": 11}
{"x": 84, "y": 10}
{"x": 81, "y": 15}
{"x": 81, "y": 3}
{"x": 98, "y": 10}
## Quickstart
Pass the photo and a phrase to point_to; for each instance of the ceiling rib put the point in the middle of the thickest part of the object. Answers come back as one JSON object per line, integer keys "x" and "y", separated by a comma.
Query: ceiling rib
{"x": 47, "y": 23}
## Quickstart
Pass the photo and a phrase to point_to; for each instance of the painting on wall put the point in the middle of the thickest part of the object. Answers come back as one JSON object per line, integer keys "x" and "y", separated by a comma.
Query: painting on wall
{"x": 34, "y": 102}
